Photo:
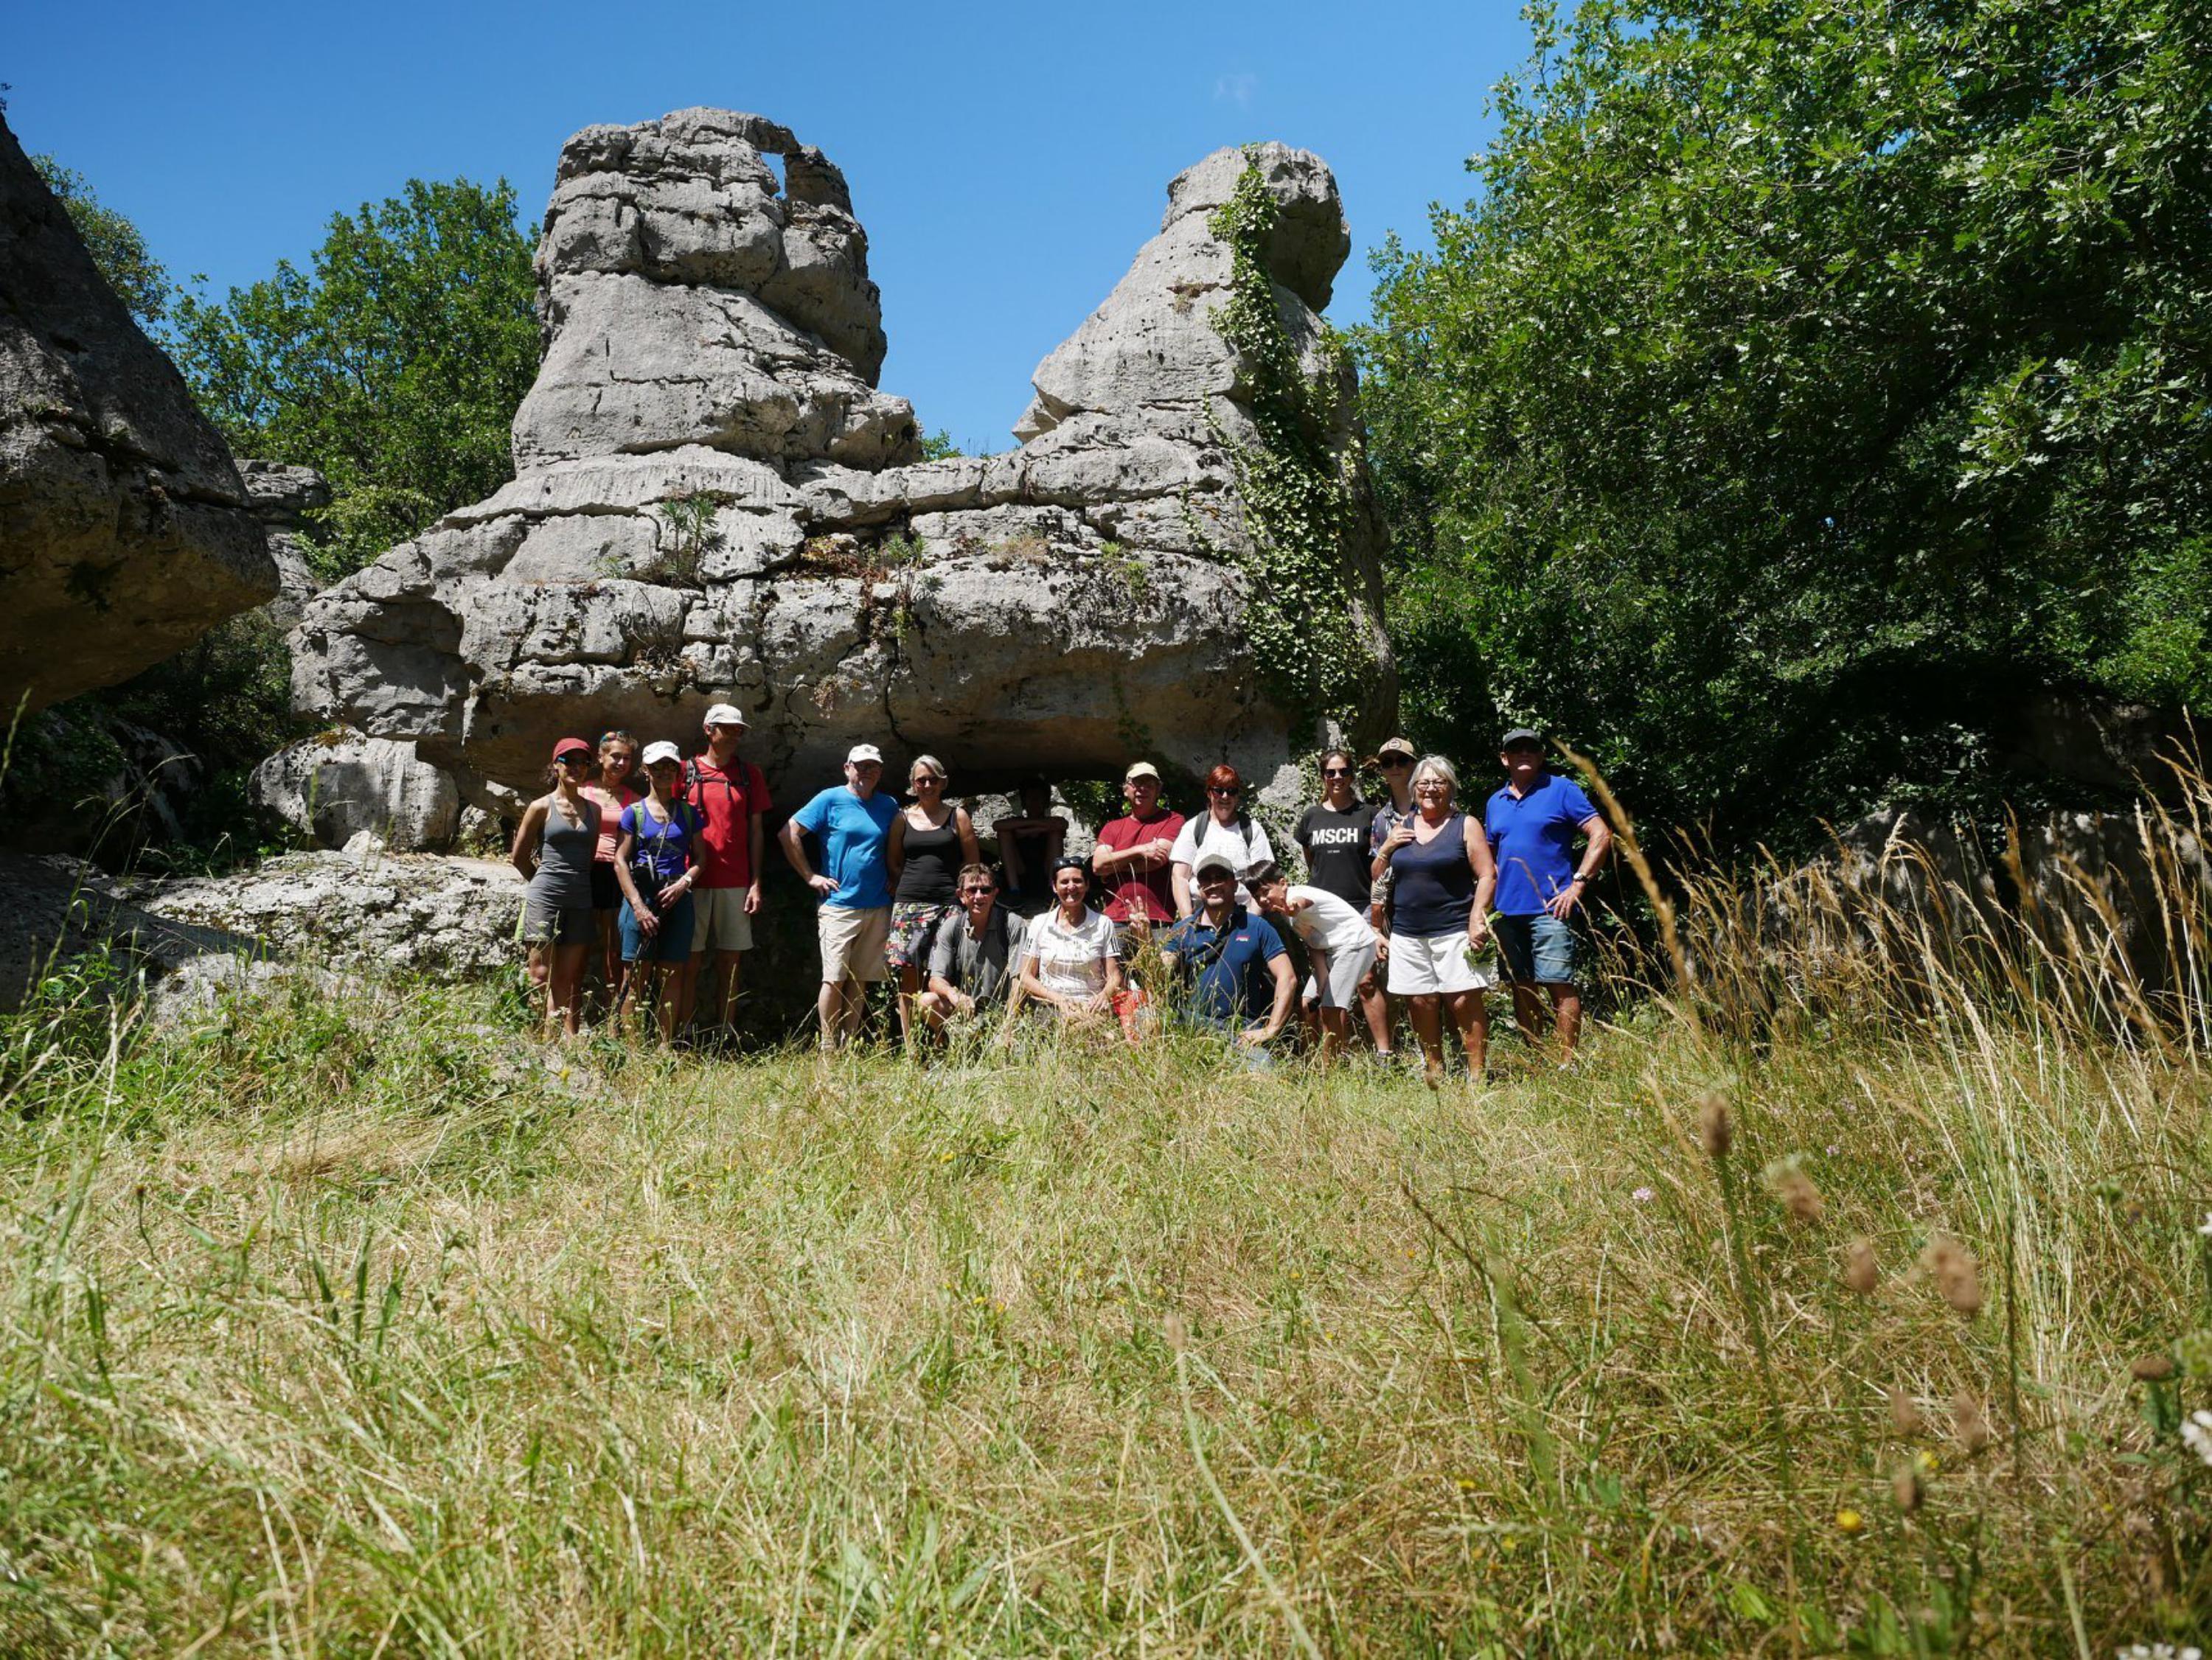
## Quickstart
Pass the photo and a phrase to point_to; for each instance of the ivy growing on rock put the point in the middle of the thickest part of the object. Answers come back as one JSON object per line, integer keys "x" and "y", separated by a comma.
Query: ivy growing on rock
{"x": 1297, "y": 506}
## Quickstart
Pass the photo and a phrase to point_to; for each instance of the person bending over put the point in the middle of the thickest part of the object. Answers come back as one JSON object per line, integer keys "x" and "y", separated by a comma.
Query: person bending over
{"x": 1339, "y": 939}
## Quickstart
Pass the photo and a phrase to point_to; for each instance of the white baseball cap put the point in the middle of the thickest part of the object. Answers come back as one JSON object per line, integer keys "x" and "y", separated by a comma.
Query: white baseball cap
{"x": 1143, "y": 769}
{"x": 864, "y": 752}
{"x": 727, "y": 714}
{"x": 656, "y": 753}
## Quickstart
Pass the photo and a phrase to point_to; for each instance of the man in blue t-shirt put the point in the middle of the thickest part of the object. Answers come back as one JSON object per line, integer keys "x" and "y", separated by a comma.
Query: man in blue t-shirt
{"x": 853, "y": 823}
{"x": 1532, "y": 824}
{"x": 1242, "y": 980}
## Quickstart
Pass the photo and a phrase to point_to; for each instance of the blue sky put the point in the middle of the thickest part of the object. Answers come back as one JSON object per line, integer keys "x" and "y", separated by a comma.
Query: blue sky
{"x": 1006, "y": 161}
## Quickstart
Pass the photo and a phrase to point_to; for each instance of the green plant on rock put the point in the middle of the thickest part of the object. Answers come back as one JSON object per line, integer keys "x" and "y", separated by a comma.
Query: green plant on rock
{"x": 686, "y": 534}
{"x": 1296, "y": 502}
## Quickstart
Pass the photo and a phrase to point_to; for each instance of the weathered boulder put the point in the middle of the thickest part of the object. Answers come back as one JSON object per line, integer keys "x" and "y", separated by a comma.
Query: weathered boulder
{"x": 124, "y": 530}
{"x": 363, "y": 910}
{"x": 712, "y": 502}
{"x": 337, "y": 784}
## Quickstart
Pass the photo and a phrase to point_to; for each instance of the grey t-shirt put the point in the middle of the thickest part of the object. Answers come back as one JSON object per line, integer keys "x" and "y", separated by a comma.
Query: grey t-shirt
{"x": 982, "y": 967}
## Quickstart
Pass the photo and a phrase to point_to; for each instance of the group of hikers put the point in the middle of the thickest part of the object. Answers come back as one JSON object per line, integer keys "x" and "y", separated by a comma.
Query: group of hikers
{"x": 1401, "y": 898}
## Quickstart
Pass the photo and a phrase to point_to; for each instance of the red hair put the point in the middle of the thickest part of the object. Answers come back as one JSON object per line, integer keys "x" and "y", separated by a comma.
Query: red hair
{"x": 1224, "y": 777}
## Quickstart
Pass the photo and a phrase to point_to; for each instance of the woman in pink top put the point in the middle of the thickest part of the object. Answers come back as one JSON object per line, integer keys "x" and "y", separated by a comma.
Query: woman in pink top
{"x": 611, "y": 790}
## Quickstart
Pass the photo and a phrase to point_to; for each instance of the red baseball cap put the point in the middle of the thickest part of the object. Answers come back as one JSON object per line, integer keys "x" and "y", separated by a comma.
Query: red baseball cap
{"x": 569, "y": 747}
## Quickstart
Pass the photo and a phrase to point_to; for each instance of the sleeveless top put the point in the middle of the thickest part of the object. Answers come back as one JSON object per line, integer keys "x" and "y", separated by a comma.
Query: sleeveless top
{"x": 932, "y": 872}
{"x": 565, "y": 853}
{"x": 612, "y": 804}
{"x": 1432, "y": 887}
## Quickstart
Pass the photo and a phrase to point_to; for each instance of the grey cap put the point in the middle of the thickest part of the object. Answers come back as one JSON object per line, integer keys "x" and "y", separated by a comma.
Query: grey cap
{"x": 1521, "y": 734}
{"x": 1213, "y": 859}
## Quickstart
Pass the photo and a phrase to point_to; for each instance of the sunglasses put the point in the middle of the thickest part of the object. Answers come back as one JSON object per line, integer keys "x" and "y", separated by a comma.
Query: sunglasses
{"x": 1392, "y": 763}
{"x": 575, "y": 758}
{"x": 1336, "y": 771}
{"x": 1222, "y": 790}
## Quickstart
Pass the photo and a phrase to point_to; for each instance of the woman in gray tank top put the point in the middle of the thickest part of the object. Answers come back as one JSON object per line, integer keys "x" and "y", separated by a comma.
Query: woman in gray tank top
{"x": 554, "y": 849}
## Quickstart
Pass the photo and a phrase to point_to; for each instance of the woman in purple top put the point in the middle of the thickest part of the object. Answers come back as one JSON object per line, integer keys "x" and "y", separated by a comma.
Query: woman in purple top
{"x": 1442, "y": 878}
{"x": 656, "y": 862}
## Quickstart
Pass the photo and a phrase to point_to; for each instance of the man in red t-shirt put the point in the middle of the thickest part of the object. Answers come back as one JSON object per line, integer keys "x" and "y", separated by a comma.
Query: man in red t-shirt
{"x": 731, "y": 797}
{"x": 1132, "y": 857}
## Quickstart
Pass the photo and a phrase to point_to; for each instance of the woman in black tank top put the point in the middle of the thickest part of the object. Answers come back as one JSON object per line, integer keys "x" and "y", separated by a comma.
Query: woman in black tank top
{"x": 930, "y": 842}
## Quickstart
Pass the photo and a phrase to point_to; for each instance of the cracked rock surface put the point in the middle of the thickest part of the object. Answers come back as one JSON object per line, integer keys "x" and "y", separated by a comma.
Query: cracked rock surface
{"x": 713, "y": 501}
{"x": 126, "y": 532}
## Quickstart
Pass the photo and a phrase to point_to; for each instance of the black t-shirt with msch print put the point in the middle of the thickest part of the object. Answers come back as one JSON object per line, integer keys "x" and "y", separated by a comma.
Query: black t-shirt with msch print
{"x": 1335, "y": 845}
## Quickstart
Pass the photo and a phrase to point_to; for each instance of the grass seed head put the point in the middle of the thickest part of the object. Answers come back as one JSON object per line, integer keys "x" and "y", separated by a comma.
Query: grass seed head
{"x": 1956, "y": 1276}
{"x": 2152, "y": 1368}
{"x": 1787, "y": 1180}
{"x": 1902, "y": 1412}
{"x": 1969, "y": 1423}
{"x": 1907, "y": 1489}
{"x": 1861, "y": 1272}
{"x": 1716, "y": 1130}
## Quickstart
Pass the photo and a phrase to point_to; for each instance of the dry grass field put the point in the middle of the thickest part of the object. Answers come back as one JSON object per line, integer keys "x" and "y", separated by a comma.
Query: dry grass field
{"x": 1855, "y": 1303}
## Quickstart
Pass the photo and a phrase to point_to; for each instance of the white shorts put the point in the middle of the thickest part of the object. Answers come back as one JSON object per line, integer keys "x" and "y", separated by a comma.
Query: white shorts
{"x": 1335, "y": 980}
{"x": 719, "y": 921}
{"x": 1422, "y": 965}
{"x": 852, "y": 943}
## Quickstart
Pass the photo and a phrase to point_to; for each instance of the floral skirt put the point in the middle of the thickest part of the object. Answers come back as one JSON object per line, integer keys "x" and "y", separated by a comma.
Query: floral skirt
{"x": 914, "y": 927}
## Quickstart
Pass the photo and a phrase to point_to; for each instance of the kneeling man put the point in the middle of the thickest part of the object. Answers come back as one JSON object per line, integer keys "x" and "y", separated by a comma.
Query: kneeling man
{"x": 977, "y": 953}
{"x": 1242, "y": 978}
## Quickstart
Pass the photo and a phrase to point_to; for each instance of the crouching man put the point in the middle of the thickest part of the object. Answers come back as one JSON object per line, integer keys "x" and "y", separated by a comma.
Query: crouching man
{"x": 1242, "y": 984}
{"x": 977, "y": 955}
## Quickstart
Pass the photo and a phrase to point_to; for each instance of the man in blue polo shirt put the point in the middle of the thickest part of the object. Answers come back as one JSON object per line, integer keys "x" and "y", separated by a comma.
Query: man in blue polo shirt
{"x": 1532, "y": 824}
{"x": 853, "y": 822}
{"x": 1242, "y": 980}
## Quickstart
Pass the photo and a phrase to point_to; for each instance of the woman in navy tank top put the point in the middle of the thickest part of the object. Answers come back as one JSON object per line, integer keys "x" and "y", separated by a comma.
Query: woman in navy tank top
{"x": 1442, "y": 880}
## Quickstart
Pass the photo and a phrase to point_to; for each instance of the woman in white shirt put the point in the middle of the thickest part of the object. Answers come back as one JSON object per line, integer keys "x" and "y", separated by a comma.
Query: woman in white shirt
{"x": 1342, "y": 942}
{"x": 1068, "y": 963}
{"x": 1224, "y": 825}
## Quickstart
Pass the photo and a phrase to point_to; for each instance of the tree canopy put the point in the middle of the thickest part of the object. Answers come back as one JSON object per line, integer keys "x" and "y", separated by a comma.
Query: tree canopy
{"x": 1810, "y": 386}
{"x": 140, "y": 281}
{"x": 394, "y": 366}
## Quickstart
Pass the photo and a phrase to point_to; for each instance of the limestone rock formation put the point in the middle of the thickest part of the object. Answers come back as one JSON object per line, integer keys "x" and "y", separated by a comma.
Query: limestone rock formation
{"x": 359, "y": 911}
{"x": 124, "y": 530}
{"x": 282, "y": 497}
{"x": 334, "y": 786}
{"x": 712, "y": 502}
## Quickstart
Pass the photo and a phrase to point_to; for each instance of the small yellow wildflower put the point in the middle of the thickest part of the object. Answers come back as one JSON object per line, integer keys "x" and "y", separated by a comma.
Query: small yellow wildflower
{"x": 1849, "y": 1522}
{"x": 1927, "y": 1463}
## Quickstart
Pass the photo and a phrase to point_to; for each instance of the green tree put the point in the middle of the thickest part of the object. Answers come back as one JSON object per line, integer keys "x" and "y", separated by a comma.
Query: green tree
{"x": 140, "y": 281}
{"x": 1810, "y": 387}
{"x": 394, "y": 366}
